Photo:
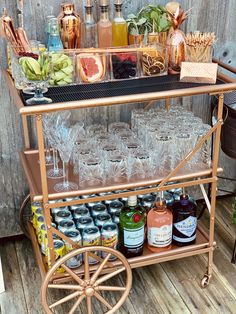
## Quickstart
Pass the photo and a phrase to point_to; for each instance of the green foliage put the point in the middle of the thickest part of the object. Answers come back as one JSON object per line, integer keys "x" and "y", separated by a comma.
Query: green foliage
{"x": 157, "y": 17}
{"x": 138, "y": 25}
{"x": 234, "y": 212}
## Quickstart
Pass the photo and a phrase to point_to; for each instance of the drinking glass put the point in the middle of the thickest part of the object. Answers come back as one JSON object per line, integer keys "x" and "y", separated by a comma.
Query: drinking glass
{"x": 96, "y": 129}
{"x": 116, "y": 168}
{"x": 118, "y": 126}
{"x": 65, "y": 141}
{"x": 92, "y": 172}
{"x": 140, "y": 165}
{"x": 162, "y": 153}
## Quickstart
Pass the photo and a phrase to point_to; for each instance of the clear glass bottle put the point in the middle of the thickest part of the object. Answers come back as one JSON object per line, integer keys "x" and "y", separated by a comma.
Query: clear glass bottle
{"x": 104, "y": 26}
{"x": 54, "y": 40}
{"x": 159, "y": 227}
{"x": 89, "y": 27}
{"x": 132, "y": 225}
{"x": 184, "y": 221}
{"x": 47, "y": 30}
{"x": 119, "y": 26}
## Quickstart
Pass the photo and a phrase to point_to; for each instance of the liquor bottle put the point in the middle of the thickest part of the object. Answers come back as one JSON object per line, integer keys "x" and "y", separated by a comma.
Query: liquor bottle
{"x": 119, "y": 26}
{"x": 184, "y": 221}
{"x": 47, "y": 30}
{"x": 159, "y": 226}
{"x": 70, "y": 26}
{"x": 132, "y": 223}
{"x": 89, "y": 27}
{"x": 104, "y": 26}
{"x": 54, "y": 40}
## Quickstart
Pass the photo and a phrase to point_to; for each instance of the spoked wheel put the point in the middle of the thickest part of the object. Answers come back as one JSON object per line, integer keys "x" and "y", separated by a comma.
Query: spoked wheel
{"x": 25, "y": 215}
{"x": 90, "y": 286}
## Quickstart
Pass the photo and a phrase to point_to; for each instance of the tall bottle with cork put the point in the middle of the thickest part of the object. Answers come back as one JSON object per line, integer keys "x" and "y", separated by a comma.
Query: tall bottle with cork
{"x": 119, "y": 26}
{"x": 89, "y": 27}
{"x": 159, "y": 226}
{"x": 70, "y": 26}
{"x": 132, "y": 224}
{"x": 104, "y": 26}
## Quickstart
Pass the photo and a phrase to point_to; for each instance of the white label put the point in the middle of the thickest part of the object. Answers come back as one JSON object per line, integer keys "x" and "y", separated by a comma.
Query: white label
{"x": 160, "y": 237}
{"x": 133, "y": 237}
{"x": 184, "y": 240}
{"x": 187, "y": 227}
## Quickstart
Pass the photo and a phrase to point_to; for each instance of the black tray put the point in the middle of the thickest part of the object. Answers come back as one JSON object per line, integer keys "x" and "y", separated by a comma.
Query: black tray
{"x": 115, "y": 88}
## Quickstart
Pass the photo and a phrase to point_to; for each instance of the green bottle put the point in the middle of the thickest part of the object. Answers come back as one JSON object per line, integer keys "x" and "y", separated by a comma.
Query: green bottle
{"x": 132, "y": 226}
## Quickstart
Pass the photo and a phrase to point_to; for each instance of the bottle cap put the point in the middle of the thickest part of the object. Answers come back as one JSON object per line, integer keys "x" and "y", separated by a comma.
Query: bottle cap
{"x": 184, "y": 199}
{"x": 88, "y": 3}
{"x": 68, "y": 7}
{"x": 104, "y": 3}
{"x": 132, "y": 200}
{"x": 118, "y": 2}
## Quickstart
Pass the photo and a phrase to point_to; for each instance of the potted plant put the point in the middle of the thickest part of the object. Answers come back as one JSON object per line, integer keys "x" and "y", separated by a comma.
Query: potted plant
{"x": 158, "y": 18}
{"x": 138, "y": 28}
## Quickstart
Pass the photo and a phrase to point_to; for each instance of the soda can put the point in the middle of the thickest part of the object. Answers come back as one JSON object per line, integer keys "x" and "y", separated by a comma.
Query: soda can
{"x": 90, "y": 205}
{"x": 55, "y": 236}
{"x": 123, "y": 198}
{"x": 84, "y": 222}
{"x": 81, "y": 212}
{"x": 38, "y": 213}
{"x": 55, "y": 201}
{"x": 59, "y": 250}
{"x": 102, "y": 219}
{"x": 57, "y": 209}
{"x": 73, "y": 208}
{"x": 114, "y": 207}
{"x": 148, "y": 201}
{"x": 91, "y": 237}
{"x": 109, "y": 238}
{"x": 44, "y": 239}
{"x": 116, "y": 218}
{"x": 66, "y": 225}
{"x": 70, "y": 199}
{"x": 40, "y": 222}
{"x": 61, "y": 215}
{"x": 35, "y": 206}
{"x": 98, "y": 209}
{"x": 75, "y": 236}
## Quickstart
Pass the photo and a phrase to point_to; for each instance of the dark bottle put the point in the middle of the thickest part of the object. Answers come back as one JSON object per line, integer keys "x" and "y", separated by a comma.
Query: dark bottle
{"x": 184, "y": 221}
{"x": 132, "y": 223}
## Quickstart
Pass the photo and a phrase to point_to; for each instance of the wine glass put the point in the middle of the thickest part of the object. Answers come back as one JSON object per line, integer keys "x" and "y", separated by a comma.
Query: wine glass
{"x": 65, "y": 138}
{"x": 37, "y": 71}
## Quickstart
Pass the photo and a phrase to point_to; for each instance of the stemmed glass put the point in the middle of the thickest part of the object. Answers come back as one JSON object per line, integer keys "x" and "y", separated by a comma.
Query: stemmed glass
{"x": 65, "y": 138}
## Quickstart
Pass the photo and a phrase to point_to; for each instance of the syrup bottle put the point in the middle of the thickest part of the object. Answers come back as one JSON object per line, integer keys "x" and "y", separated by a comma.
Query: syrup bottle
{"x": 184, "y": 221}
{"x": 89, "y": 27}
{"x": 159, "y": 227}
{"x": 104, "y": 26}
{"x": 119, "y": 26}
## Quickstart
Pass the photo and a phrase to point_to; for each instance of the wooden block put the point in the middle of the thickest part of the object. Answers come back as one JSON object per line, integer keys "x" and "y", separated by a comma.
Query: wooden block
{"x": 194, "y": 72}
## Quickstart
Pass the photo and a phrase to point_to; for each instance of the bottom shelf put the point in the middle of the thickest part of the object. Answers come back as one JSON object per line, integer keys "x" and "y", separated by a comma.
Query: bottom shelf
{"x": 148, "y": 258}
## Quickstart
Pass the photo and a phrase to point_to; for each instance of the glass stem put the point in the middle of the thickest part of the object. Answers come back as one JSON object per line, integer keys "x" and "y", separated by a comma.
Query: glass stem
{"x": 66, "y": 173}
{"x": 56, "y": 160}
{"x": 48, "y": 154}
{"x": 38, "y": 92}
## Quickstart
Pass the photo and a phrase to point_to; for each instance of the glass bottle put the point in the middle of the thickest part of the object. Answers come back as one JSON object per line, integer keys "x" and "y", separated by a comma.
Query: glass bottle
{"x": 70, "y": 26}
{"x": 54, "y": 40}
{"x": 104, "y": 26}
{"x": 184, "y": 221}
{"x": 47, "y": 30}
{"x": 119, "y": 26}
{"x": 89, "y": 27}
{"x": 132, "y": 223}
{"x": 159, "y": 227}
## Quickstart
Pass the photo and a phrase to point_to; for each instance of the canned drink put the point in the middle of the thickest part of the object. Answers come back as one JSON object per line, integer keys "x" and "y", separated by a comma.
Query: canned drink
{"x": 123, "y": 198}
{"x": 81, "y": 212}
{"x": 106, "y": 193}
{"x": 92, "y": 237}
{"x": 90, "y": 205}
{"x": 55, "y": 236}
{"x": 148, "y": 201}
{"x": 109, "y": 238}
{"x": 116, "y": 218}
{"x": 56, "y": 201}
{"x": 75, "y": 236}
{"x": 40, "y": 222}
{"x": 70, "y": 199}
{"x": 73, "y": 208}
{"x": 35, "y": 206}
{"x": 98, "y": 209}
{"x": 38, "y": 213}
{"x": 84, "y": 222}
{"x": 66, "y": 225}
{"x": 102, "y": 219}
{"x": 115, "y": 207}
{"x": 61, "y": 215}
{"x": 59, "y": 250}
{"x": 108, "y": 202}
{"x": 57, "y": 209}
{"x": 44, "y": 239}
{"x": 140, "y": 196}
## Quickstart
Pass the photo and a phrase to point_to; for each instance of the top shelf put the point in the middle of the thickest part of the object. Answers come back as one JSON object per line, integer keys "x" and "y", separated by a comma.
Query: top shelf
{"x": 117, "y": 92}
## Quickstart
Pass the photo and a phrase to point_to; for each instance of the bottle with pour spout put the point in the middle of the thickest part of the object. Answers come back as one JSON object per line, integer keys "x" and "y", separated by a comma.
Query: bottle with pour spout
{"x": 89, "y": 27}
{"x": 104, "y": 26}
{"x": 159, "y": 227}
{"x": 119, "y": 26}
{"x": 70, "y": 26}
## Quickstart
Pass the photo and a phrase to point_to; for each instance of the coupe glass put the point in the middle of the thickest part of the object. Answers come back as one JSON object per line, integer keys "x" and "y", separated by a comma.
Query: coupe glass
{"x": 65, "y": 140}
{"x": 37, "y": 73}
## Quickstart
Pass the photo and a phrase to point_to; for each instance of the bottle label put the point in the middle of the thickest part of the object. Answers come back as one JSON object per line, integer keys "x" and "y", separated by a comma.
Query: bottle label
{"x": 184, "y": 240}
{"x": 187, "y": 227}
{"x": 160, "y": 237}
{"x": 133, "y": 237}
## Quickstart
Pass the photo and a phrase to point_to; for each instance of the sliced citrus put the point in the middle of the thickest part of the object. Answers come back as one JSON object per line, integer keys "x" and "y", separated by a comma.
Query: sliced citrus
{"x": 91, "y": 67}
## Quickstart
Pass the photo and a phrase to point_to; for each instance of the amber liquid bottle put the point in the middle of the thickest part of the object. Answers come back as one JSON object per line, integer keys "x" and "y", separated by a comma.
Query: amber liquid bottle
{"x": 119, "y": 27}
{"x": 104, "y": 26}
{"x": 159, "y": 227}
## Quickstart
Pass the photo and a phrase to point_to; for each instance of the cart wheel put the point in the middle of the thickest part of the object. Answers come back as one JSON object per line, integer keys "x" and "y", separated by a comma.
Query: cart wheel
{"x": 25, "y": 215}
{"x": 88, "y": 285}
{"x": 205, "y": 281}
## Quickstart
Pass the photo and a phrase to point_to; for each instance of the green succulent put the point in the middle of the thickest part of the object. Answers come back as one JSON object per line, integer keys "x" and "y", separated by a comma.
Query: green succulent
{"x": 138, "y": 25}
{"x": 157, "y": 17}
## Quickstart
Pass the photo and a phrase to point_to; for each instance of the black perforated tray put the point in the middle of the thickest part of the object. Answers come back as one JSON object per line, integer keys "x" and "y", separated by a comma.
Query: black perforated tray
{"x": 115, "y": 88}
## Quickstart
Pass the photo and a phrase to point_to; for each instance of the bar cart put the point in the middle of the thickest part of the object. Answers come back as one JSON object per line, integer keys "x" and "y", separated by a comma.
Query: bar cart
{"x": 87, "y": 281}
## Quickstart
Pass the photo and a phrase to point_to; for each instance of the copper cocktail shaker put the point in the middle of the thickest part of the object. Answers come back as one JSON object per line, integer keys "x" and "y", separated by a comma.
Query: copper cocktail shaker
{"x": 70, "y": 26}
